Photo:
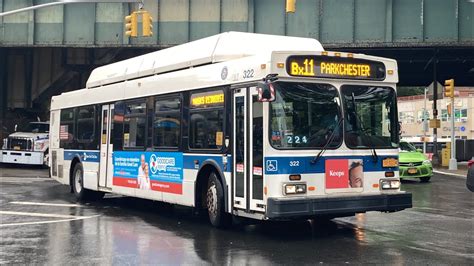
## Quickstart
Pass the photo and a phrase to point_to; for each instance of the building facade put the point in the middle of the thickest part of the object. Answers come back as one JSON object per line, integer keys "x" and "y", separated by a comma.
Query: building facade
{"x": 410, "y": 111}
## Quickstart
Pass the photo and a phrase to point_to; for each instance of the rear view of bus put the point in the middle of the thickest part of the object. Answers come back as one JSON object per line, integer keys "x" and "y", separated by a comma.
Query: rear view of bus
{"x": 330, "y": 138}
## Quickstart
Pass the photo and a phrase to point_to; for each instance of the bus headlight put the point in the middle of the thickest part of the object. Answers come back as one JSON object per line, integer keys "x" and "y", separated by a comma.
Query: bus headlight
{"x": 390, "y": 183}
{"x": 290, "y": 189}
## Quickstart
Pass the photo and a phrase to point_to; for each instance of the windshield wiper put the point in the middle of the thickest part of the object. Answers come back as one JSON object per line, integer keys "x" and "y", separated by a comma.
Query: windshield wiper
{"x": 375, "y": 157}
{"x": 331, "y": 137}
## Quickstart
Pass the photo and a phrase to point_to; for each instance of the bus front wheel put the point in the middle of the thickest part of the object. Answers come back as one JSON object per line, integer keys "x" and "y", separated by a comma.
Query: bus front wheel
{"x": 81, "y": 193}
{"x": 215, "y": 203}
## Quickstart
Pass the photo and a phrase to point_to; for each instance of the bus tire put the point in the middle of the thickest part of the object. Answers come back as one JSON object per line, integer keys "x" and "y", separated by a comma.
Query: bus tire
{"x": 78, "y": 189}
{"x": 215, "y": 203}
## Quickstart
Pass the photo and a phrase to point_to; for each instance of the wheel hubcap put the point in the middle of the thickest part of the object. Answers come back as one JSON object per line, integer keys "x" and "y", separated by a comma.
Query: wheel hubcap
{"x": 212, "y": 200}
{"x": 78, "y": 181}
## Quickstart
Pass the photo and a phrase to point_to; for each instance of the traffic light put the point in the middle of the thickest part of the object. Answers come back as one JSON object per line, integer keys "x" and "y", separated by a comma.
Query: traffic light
{"x": 290, "y": 6}
{"x": 147, "y": 24}
{"x": 131, "y": 25}
{"x": 449, "y": 88}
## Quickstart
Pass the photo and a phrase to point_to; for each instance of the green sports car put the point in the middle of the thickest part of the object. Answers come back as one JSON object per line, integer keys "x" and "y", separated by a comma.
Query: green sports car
{"x": 413, "y": 163}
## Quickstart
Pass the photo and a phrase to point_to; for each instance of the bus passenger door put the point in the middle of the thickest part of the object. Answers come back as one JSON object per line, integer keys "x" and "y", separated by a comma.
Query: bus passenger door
{"x": 240, "y": 150}
{"x": 248, "y": 151}
{"x": 106, "y": 147}
{"x": 256, "y": 151}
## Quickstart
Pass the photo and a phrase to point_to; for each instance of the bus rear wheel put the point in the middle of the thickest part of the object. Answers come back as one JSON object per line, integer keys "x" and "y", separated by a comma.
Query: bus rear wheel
{"x": 81, "y": 193}
{"x": 215, "y": 203}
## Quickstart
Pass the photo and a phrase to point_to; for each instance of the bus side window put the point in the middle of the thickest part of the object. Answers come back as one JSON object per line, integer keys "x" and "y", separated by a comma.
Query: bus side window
{"x": 66, "y": 129}
{"x": 134, "y": 127}
{"x": 86, "y": 127}
{"x": 206, "y": 120}
{"x": 167, "y": 122}
{"x": 117, "y": 132}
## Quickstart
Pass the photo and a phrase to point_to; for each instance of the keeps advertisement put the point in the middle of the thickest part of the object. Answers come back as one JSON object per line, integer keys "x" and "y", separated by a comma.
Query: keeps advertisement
{"x": 158, "y": 171}
{"x": 344, "y": 173}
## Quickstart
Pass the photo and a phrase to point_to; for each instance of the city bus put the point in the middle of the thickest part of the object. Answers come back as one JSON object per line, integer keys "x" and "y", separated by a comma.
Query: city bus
{"x": 236, "y": 125}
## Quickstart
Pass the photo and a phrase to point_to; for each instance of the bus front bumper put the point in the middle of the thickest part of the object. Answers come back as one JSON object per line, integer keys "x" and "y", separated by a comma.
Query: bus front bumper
{"x": 300, "y": 207}
{"x": 21, "y": 157}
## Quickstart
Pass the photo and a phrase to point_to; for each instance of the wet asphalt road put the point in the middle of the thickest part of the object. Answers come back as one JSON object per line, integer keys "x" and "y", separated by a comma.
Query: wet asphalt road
{"x": 121, "y": 230}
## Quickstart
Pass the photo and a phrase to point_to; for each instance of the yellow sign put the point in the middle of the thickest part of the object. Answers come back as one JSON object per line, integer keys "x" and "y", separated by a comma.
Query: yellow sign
{"x": 219, "y": 138}
{"x": 435, "y": 123}
{"x": 390, "y": 162}
{"x": 335, "y": 67}
{"x": 205, "y": 99}
{"x": 342, "y": 69}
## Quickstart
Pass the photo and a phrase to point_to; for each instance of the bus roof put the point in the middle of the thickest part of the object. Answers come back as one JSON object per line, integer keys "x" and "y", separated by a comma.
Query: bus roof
{"x": 218, "y": 48}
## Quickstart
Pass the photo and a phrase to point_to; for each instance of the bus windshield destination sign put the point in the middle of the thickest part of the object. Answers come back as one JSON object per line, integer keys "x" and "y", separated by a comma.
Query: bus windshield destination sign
{"x": 335, "y": 67}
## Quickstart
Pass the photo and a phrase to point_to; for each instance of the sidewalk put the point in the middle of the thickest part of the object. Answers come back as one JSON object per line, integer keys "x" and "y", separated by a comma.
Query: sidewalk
{"x": 461, "y": 172}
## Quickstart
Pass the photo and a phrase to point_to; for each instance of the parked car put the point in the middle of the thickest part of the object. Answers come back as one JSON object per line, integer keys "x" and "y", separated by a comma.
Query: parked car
{"x": 470, "y": 175}
{"x": 413, "y": 163}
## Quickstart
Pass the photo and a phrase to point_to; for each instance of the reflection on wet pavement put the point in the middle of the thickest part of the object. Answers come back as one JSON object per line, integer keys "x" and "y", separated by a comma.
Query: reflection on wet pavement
{"x": 132, "y": 231}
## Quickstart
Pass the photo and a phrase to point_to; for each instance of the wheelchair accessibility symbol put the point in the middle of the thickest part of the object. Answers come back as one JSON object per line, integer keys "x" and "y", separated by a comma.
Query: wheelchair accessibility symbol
{"x": 272, "y": 165}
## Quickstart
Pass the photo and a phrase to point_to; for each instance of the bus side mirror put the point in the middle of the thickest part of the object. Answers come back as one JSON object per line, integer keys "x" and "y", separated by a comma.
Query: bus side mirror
{"x": 266, "y": 91}
{"x": 16, "y": 127}
{"x": 399, "y": 128}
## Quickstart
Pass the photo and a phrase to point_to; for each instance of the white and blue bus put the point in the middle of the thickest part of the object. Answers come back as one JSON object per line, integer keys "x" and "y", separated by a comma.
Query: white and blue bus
{"x": 238, "y": 124}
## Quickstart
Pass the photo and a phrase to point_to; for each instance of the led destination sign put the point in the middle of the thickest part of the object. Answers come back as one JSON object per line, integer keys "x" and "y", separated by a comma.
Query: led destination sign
{"x": 334, "y": 67}
{"x": 207, "y": 99}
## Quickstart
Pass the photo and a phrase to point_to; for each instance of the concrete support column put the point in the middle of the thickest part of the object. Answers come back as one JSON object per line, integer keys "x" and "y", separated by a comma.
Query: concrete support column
{"x": 3, "y": 83}
{"x": 28, "y": 59}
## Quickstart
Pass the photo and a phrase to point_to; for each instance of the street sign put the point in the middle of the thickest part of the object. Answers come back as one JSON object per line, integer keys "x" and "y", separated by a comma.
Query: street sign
{"x": 431, "y": 89}
{"x": 435, "y": 123}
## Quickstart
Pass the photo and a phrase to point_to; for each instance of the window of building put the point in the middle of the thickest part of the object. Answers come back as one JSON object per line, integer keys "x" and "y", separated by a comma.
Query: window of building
{"x": 420, "y": 117}
{"x": 167, "y": 122}
{"x": 406, "y": 117}
{"x": 460, "y": 115}
{"x": 134, "y": 125}
{"x": 206, "y": 123}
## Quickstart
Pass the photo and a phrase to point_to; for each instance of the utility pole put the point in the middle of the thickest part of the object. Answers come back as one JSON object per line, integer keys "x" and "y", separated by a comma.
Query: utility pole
{"x": 425, "y": 124}
{"x": 449, "y": 92}
{"x": 435, "y": 159}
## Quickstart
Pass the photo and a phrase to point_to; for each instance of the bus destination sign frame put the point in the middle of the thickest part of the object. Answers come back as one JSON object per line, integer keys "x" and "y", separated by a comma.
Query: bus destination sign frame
{"x": 316, "y": 66}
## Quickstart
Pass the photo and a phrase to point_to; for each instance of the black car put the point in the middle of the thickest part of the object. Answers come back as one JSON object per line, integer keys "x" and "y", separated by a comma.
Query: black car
{"x": 470, "y": 175}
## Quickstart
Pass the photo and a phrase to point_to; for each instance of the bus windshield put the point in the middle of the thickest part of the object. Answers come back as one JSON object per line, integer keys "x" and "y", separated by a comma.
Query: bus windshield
{"x": 36, "y": 128}
{"x": 371, "y": 117}
{"x": 304, "y": 115}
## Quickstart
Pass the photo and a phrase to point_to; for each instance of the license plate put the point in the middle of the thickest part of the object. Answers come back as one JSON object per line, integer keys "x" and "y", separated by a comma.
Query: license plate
{"x": 16, "y": 148}
{"x": 412, "y": 171}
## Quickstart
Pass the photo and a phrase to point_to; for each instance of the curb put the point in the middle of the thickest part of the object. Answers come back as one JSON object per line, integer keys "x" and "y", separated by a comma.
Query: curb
{"x": 450, "y": 174}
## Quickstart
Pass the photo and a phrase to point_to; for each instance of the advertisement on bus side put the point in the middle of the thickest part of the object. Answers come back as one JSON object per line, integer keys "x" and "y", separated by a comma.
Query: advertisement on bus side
{"x": 158, "y": 171}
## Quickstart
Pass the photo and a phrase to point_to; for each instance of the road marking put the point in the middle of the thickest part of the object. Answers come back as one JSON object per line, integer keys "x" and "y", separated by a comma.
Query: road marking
{"x": 50, "y": 222}
{"x": 45, "y": 204}
{"x": 450, "y": 174}
{"x": 40, "y": 214}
